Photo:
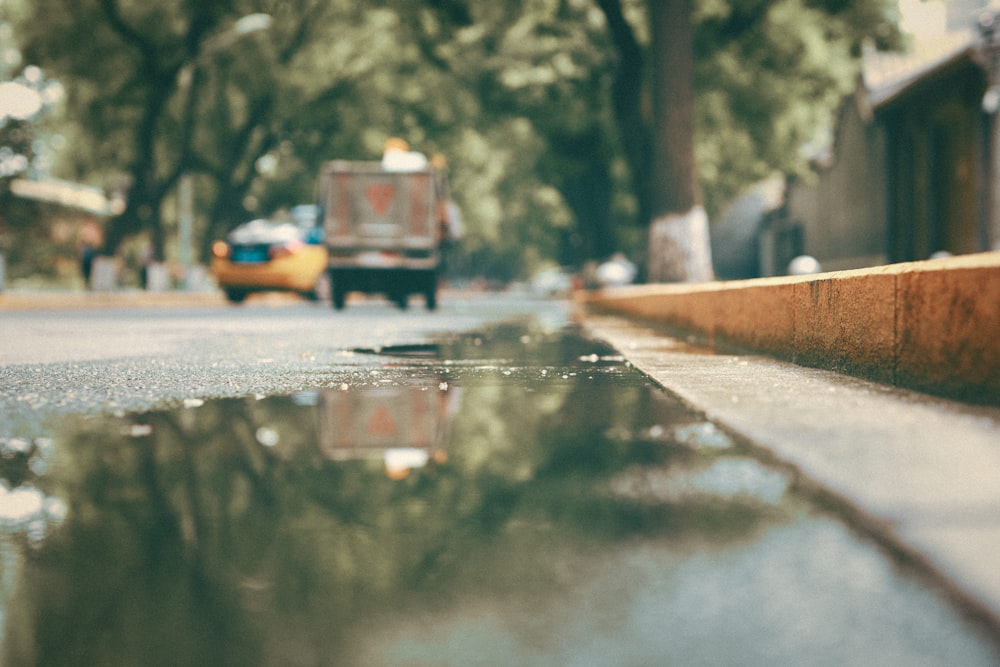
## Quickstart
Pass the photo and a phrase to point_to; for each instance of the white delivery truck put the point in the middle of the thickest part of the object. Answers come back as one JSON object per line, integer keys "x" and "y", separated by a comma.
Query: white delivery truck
{"x": 384, "y": 230}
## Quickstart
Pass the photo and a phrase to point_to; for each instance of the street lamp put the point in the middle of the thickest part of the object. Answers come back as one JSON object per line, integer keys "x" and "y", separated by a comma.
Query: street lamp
{"x": 246, "y": 25}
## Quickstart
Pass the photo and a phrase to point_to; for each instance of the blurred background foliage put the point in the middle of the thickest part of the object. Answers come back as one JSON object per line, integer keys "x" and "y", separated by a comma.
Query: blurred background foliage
{"x": 518, "y": 95}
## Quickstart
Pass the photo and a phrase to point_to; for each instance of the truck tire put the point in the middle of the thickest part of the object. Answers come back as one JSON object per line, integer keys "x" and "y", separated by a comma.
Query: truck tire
{"x": 430, "y": 291}
{"x": 338, "y": 292}
{"x": 234, "y": 295}
{"x": 339, "y": 298}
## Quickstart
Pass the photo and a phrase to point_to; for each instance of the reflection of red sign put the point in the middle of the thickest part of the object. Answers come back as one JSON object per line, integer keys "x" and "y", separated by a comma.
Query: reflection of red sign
{"x": 365, "y": 422}
{"x": 381, "y": 423}
{"x": 380, "y": 196}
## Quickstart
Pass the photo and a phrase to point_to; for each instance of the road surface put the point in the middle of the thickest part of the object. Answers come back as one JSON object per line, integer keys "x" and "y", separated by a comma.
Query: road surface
{"x": 55, "y": 362}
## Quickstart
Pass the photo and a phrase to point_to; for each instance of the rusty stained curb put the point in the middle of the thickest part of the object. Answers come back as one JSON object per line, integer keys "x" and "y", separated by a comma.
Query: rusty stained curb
{"x": 932, "y": 326}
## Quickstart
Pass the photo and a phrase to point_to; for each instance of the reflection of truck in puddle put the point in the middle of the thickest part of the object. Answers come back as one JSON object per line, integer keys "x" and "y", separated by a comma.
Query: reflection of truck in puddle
{"x": 406, "y": 426}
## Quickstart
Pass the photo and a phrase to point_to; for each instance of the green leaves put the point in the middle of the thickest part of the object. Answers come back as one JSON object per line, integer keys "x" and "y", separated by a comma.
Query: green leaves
{"x": 768, "y": 82}
{"x": 519, "y": 96}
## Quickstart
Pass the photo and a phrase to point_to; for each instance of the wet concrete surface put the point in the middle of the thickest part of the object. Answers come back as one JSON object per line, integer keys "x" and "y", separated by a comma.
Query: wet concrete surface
{"x": 920, "y": 473}
{"x": 516, "y": 494}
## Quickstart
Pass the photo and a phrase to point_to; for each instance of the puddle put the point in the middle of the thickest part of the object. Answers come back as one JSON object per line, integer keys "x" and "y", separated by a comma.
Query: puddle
{"x": 515, "y": 497}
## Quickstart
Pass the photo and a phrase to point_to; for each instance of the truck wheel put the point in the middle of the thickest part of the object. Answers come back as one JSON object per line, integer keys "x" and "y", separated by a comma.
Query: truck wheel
{"x": 338, "y": 292}
{"x": 339, "y": 298}
{"x": 234, "y": 295}
{"x": 430, "y": 290}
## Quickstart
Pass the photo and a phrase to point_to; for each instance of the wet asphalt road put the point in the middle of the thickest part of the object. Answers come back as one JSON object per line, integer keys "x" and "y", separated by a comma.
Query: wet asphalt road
{"x": 924, "y": 504}
{"x": 57, "y": 362}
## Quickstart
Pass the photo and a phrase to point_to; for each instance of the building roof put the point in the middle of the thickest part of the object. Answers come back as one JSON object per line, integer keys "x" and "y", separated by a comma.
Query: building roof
{"x": 886, "y": 75}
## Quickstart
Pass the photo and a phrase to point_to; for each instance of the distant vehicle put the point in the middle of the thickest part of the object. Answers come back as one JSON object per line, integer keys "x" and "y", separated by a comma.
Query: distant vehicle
{"x": 268, "y": 256}
{"x": 384, "y": 229}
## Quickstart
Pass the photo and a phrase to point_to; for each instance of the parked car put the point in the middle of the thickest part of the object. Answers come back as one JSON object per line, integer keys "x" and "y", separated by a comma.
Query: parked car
{"x": 267, "y": 256}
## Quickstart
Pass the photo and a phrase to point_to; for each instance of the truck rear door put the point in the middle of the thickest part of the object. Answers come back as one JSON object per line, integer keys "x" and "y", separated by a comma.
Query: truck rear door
{"x": 371, "y": 209}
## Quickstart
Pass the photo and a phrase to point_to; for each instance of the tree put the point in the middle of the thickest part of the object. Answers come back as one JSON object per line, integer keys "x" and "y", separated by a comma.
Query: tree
{"x": 545, "y": 111}
{"x": 679, "y": 250}
{"x": 758, "y": 76}
{"x": 660, "y": 149}
{"x": 26, "y": 100}
{"x": 122, "y": 87}
{"x": 172, "y": 89}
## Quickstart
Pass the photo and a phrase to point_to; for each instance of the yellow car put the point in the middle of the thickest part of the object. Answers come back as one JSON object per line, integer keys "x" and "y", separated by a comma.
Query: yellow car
{"x": 267, "y": 256}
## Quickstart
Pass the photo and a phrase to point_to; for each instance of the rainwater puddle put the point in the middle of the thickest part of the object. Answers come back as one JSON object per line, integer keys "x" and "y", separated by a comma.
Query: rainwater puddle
{"x": 517, "y": 497}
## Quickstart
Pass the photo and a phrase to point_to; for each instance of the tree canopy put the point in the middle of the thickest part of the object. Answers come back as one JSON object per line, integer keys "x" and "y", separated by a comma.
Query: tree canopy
{"x": 542, "y": 108}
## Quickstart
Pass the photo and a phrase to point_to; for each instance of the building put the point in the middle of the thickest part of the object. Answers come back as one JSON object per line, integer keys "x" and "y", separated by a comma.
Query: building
{"x": 908, "y": 174}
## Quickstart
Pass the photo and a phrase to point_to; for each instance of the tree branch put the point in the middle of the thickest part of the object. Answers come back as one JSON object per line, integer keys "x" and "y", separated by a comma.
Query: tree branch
{"x": 129, "y": 34}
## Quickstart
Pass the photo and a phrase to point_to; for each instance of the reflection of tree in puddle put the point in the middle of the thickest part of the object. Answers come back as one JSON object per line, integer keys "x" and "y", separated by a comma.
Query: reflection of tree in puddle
{"x": 24, "y": 508}
{"x": 267, "y": 531}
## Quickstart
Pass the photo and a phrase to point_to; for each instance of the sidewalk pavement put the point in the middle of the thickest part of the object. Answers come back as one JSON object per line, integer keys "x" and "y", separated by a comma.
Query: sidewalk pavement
{"x": 70, "y": 300}
{"x": 135, "y": 298}
{"x": 917, "y": 473}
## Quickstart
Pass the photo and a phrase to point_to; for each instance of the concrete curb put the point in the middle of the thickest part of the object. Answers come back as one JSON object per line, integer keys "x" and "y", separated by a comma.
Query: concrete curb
{"x": 932, "y": 326}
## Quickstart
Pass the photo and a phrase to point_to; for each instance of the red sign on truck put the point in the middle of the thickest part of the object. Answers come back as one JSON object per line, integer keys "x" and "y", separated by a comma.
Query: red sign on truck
{"x": 380, "y": 196}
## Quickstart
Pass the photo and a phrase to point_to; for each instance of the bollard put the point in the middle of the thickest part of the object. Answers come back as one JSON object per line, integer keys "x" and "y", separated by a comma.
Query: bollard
{"x": 104, "y": 274}
{"x": 157, "y": 277}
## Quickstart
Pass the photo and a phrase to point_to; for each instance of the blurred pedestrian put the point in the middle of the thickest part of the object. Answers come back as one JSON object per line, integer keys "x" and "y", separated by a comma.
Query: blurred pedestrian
{"x": 89, "y": 240}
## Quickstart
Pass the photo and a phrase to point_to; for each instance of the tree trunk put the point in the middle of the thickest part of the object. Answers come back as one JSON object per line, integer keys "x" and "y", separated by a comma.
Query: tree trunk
{"x": 145, "y": 196}
{"x": 627, "y": 101}
{"x": 588, "y": 194}
{"x": 679, "y": 249}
